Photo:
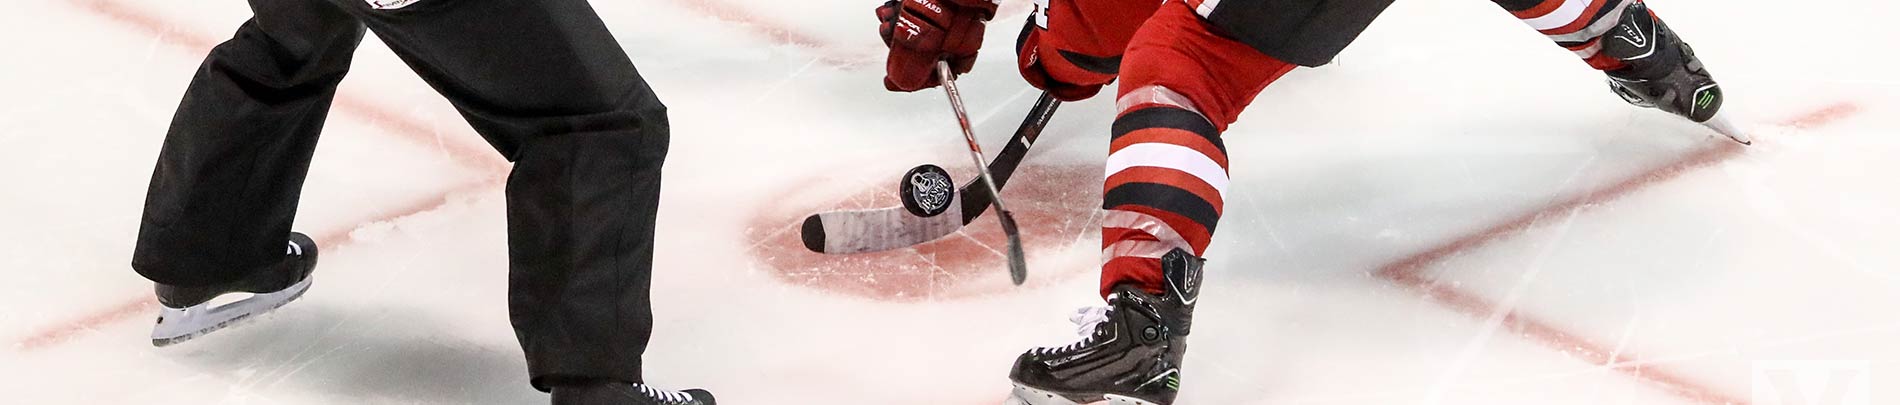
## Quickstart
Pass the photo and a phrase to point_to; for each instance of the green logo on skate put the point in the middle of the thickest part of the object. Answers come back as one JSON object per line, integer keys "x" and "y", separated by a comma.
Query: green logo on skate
{"x": 1174, "y": 382}
{"x": 1702, "y": 101}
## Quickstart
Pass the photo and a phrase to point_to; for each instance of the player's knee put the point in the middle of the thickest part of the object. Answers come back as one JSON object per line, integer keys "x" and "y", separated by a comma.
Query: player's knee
{"x": 1180, "y": 56}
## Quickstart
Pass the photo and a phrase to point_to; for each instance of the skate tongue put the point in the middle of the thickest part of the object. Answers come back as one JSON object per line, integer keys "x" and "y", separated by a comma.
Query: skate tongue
{"x": 1086, "y": 318}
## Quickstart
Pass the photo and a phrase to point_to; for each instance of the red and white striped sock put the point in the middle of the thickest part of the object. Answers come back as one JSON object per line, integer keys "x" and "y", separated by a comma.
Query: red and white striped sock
{"x": 1182, "y": 83}
{"x": 1577, "y": 25}
{"x": 1166, "y": 183}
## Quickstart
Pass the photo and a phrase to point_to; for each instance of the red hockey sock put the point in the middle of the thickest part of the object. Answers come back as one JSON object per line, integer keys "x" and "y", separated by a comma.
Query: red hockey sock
{"x": 1182, "y": 84}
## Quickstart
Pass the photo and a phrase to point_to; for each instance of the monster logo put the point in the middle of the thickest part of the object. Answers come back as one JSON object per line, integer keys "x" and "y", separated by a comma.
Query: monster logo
{"x": 390, "y": 4}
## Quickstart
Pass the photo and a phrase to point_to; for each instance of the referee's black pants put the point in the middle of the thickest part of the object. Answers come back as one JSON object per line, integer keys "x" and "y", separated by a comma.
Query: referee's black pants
{"x": 542, "y": 81}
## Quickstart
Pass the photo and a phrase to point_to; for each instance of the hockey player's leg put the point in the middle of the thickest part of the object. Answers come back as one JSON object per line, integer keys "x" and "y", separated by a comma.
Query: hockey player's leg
{"x": 225, "y": 189}
{"x": 1072, "y": 48}
{"x": 1182, "y": 84}
{"x": 550, "y": 88}
{"x": 1647, "y": 63}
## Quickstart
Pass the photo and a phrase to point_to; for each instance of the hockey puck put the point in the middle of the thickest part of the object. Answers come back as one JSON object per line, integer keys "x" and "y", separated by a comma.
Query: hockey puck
{"x": 927, "y": 191}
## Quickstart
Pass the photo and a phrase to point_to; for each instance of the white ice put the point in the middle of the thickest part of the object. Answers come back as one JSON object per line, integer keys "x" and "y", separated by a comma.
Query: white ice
{"x": 1446, "y": 119}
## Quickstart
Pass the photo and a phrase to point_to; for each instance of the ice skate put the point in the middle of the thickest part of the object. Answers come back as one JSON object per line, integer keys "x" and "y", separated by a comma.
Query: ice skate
{"x": 618, "y": 393}
{"x": 188, "y": 312}
{"x": 1663, "y": 72}
{"x": 1130, "y": 352}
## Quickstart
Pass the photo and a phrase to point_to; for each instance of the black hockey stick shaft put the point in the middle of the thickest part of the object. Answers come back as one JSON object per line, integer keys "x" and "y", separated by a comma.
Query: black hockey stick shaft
{"x": 1018, "y": 266}
{"x": 975, "y": 199}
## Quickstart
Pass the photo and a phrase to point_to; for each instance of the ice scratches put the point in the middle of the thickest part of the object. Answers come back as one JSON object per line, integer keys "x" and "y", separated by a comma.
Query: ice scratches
{"x": 1503, "y": 308}
{"x": 1260, "y": 217}
{"x": 782, "y": 34}
{"x": 979, "y": 243}
{"x": 780, "y": 84}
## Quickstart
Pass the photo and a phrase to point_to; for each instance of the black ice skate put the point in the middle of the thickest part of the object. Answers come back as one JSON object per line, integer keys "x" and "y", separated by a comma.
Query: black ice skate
{"x": 619, "y": 393}
{"x": 1663, "y": 72}
{"x": 1131, "y": 351}
{"x": 188, "y": 312}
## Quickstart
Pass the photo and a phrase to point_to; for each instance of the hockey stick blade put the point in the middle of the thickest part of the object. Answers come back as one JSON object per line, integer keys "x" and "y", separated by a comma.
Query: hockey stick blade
{"x": 881, "y": 229}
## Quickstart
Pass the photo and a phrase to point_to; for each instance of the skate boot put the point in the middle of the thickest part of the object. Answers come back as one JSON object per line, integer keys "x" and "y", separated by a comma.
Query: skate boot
{"x": 620, "y": 393}
{"x": 1662, "y": 72}
{"x": 1130, "y": 353}
{"x": 188, "y": 312}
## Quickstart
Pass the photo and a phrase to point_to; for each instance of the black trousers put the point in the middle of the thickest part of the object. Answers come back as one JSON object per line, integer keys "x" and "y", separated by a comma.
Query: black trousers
{"x": 543, "y": 81}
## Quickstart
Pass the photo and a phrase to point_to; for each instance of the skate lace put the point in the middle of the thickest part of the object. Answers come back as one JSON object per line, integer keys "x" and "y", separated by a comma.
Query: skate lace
{"x": 1087, "y": 320}
{"x": 664, "y": 395}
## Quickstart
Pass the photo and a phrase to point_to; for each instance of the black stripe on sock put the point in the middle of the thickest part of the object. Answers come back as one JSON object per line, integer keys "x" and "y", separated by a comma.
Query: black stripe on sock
{"x": 1609, "y": 6}
{"x": 1166, "y": 198}
{"x": 1168, "y": 117}
{"x": 1518, "y": 5}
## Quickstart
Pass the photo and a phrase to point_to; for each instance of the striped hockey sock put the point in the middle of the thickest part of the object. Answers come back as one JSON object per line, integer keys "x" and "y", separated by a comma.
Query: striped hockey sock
{"x": 1577, "y": 25}
{"x": 1182, "y": 83}
{"x": 1166, "y": 182}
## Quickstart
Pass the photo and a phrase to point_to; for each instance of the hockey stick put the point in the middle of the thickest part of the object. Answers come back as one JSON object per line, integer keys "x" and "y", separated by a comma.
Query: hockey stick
{"x": 931, "y": 209}
{"x": 1018, "y": 267}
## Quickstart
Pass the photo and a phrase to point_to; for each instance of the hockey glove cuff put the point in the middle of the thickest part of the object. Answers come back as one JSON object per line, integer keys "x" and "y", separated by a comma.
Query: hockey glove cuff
{"x": 1072, "y": 48}
{"x": 922, "y": 32}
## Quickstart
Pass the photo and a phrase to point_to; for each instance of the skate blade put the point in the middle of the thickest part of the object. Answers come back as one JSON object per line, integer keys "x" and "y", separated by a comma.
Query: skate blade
{"x": 1121, "y": 400}
{"x": 177, "y": 325}
{"x": 1721, "y": 124}
{"x": 1026, "y": 395}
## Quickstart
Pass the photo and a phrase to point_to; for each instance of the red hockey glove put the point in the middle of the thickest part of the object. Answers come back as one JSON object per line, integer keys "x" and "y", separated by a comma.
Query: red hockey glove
{"x": 1071, "y": 48}
{"x": 922, "y": 32}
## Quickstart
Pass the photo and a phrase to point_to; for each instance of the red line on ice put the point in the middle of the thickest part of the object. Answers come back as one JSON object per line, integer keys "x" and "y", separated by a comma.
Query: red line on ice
{"x": 828, "y": 52}
{"x": 62, "y": 332}
{"x": 143, "y": 304}
{"x": 361, "y": 108}
{"x": 1409, "y": 271}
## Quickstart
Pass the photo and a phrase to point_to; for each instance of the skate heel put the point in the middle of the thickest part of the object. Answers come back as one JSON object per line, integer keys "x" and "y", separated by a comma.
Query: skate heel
{"x": 187, "y": 312}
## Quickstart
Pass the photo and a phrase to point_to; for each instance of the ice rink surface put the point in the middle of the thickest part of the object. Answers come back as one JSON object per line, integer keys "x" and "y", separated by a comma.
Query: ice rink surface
{"x": 1457, "y": 212}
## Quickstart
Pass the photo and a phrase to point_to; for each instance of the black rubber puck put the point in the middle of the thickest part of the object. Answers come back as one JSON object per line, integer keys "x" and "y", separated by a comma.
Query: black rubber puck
{"x": 927, "y": 191}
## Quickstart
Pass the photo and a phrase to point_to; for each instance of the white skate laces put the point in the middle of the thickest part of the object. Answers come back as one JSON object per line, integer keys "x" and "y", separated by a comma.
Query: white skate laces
{"x": 1086, "y": 319}
{"x": 663, "y": 395}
